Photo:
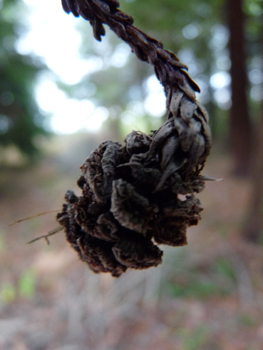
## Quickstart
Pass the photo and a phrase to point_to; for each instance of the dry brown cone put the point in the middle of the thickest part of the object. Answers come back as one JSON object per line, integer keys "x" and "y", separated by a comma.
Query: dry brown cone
{"x": 141, "y": 193}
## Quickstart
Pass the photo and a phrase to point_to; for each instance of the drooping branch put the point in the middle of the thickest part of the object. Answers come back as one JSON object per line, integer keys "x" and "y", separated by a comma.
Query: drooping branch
{"x": 130, "y": 194}
{"x": 168, "y": 68}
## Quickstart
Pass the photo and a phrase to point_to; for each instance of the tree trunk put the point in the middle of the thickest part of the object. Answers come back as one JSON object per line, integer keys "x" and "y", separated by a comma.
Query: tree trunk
{"x": 240, "y": 126}
{"x": 253, "y": 228}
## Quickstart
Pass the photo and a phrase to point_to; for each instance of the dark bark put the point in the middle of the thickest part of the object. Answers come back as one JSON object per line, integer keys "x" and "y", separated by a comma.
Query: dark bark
{"x": 240, "y": 125}
{"x": 253, "y": 228}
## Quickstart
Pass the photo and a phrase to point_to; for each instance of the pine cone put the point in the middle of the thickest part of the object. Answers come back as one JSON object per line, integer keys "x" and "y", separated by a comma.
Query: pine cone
{"x": 130, "y": 200}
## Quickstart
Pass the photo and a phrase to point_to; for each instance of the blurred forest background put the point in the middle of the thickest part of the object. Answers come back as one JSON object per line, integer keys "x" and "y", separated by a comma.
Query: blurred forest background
{"x": 61, "y": 94}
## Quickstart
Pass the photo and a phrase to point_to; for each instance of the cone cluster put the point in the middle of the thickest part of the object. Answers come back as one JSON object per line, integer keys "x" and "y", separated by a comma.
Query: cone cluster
{"x": 141, "y": 194}
{"x": 133, "y": 198}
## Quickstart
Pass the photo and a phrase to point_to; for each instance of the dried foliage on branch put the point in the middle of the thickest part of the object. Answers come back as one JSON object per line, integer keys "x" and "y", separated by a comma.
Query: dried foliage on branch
{"x": 143, "y": 191}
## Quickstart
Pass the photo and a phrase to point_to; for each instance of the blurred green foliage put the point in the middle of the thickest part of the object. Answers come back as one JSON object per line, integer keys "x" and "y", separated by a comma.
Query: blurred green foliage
{"x": 24, "y": 288}
{"x": 2, "y": 244}
{"x": 194, "y": 339}
{"x": 247, "y": 320}
{"x": 7, "y": 293}
{"x": 209, "y": 280}
{"x": 26, "y": 284}
{"x": 166, "y": 20}
{"x": 196, "y": 288}
{"x": 225, "y": 268}
{"x": 20, "y": 117}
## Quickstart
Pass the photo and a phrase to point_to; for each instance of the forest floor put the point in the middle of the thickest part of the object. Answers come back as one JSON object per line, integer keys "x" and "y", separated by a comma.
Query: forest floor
{"x": 207, "y": 295}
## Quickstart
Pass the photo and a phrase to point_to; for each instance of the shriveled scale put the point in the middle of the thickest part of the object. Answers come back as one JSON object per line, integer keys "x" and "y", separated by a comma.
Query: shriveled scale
{"x": 140, "y": 194}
